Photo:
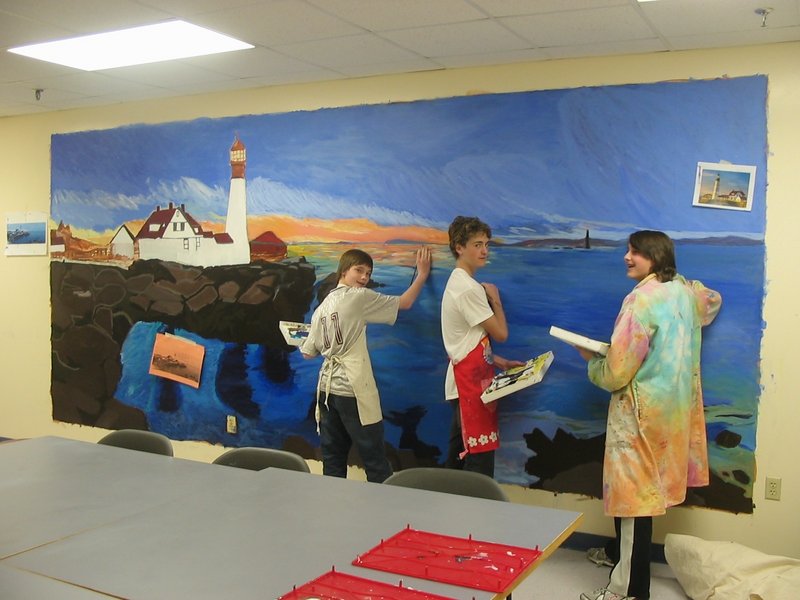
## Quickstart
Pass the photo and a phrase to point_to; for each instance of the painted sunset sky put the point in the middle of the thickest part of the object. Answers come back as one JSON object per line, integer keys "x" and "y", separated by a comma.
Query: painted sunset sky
{"x": 547, "y": 164}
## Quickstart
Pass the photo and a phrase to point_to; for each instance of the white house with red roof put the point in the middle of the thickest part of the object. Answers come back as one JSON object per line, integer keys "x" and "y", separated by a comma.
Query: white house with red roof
{"x": 172, "y": 234}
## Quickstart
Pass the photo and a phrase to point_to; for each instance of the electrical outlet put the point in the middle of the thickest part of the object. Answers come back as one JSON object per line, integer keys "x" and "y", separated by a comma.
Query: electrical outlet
{"x": 230, "y": 424}
{"x": 773, "y": 488}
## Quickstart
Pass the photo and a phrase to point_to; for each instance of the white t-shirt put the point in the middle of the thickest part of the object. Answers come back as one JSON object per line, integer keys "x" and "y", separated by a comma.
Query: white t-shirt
{"x": 464, "y": 308}
{"x": 339, "y": 333}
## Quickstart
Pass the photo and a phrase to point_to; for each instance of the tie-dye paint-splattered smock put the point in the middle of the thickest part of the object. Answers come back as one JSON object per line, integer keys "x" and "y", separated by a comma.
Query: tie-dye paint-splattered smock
{"x": 656, "y": 435}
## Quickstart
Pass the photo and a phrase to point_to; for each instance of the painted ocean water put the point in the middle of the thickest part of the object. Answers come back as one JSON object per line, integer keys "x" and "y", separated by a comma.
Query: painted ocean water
{"x": 575, "y": 289}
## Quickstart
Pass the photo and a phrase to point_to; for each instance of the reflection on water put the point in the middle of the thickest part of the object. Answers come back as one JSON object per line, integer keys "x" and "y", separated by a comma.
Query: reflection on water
{"x": 575, "y": 289}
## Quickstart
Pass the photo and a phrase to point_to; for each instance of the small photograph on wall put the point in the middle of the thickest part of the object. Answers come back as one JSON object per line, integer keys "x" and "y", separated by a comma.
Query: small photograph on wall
{"x": 178, "y": 359}
{"x": 26, "y": 234}
{"x": 721, "y": 185}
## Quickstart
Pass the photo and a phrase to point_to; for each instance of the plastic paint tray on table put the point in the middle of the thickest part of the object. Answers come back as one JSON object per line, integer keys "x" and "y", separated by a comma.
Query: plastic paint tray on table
{"x": 459, "y": 561}
{"x": 341, "y": 586}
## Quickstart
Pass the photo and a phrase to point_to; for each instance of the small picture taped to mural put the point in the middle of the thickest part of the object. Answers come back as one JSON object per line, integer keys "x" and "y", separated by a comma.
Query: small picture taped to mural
{"x": 721, "y": 185}
{"x": 178, "y": 359}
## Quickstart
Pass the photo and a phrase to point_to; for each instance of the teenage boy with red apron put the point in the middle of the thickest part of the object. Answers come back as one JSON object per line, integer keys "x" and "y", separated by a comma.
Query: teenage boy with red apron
{"x": 472, "y": 314}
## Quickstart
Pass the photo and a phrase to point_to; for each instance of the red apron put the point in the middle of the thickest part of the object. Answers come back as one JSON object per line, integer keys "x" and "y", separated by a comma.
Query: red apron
{"x": 478, "y": 420}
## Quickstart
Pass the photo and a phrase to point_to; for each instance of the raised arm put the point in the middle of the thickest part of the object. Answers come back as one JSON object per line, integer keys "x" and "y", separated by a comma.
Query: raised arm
{"x": 707, "y": 301}
{"x": 408, "y": 297}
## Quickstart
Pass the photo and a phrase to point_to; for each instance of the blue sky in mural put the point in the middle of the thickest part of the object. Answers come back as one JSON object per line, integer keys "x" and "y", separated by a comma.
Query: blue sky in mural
{"x": 535, "y": 165}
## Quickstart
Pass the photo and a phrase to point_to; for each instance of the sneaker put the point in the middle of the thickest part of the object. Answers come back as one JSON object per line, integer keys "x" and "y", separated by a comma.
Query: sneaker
{"x": 599, "y": 557}
{"x": 604, "y": 594}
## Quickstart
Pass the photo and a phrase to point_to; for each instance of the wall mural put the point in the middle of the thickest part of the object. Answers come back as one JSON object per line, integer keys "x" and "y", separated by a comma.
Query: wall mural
{"x": 213, "y": 230}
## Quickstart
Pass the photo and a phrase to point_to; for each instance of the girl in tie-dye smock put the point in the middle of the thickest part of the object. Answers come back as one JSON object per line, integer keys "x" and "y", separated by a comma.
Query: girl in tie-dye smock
{"x": 656, "y": 435}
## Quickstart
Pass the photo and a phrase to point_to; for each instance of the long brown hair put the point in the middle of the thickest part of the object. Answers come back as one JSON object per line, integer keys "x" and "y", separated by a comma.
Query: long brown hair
{"x": 657, "y": 247}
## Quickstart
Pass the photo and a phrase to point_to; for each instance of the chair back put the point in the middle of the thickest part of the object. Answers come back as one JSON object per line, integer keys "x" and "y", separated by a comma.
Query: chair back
{"x": 450, "y": 481}
{"x": 139, "y": 439}
{"x": 257, "y": 459}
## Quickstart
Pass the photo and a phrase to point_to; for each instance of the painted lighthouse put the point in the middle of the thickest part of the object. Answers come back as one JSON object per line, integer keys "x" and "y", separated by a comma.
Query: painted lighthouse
{"x": 172, "y": 234}
{"x": 236, "y": 222}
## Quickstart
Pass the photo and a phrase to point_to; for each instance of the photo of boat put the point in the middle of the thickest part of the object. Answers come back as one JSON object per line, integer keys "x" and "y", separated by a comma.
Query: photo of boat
{"x": 16, "y": 235}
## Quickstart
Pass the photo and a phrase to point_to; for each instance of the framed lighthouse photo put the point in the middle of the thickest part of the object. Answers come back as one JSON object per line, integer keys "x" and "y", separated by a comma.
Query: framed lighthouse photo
{"x": 722, "y": 185}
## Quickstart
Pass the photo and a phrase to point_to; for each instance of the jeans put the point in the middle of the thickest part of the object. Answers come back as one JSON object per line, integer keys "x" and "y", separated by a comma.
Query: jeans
{"x": 339, "y": 429}
{"x": 480, "y": 462}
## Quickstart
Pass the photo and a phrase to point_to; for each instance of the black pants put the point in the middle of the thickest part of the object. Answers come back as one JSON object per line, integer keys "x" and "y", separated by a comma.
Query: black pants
{"x": 339, "y": 429}
{"x": 631, "y": 575}
{"x": 480, "y": 462}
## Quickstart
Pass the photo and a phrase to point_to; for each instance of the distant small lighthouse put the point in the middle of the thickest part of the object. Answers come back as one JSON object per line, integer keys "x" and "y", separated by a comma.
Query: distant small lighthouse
{"x": 236, "y": 223}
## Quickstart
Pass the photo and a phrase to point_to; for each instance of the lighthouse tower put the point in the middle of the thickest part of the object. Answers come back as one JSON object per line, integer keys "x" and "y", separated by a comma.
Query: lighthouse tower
{"x": 236, "y": 223}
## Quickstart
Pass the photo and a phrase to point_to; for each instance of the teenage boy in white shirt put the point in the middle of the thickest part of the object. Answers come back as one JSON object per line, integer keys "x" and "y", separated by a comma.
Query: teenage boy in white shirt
{"x": 348, "y": 406}
{"x": 472, "y": 315}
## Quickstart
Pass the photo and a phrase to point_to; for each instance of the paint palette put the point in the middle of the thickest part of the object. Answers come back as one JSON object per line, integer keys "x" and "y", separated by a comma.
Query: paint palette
{"x": 458, "y": 561}
{"x": 341, "y": 586}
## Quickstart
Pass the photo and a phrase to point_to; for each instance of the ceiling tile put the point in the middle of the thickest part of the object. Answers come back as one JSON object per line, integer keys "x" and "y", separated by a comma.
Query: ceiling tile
{"x": 352, "y": 51}
{"x": 14, "y": 67}
{"x": 255, "y": 62}
{"x": 17, "y": 30}
{"x": 581, "y": 28}
{"x": 166, "y": 74}
{"x": 746, "y": 38}
{"x": 505, "y": 8}
{"x": 86, "y": 16}
{"x": 187, "y": 8}
{"x": 457, "y": 39}
{"x": 688, "y": 17}
{"x": 608, "y": 48}
{"x": 386, "y": 68}
{"x": 276, "y": 22}
{"x": 491, "y": 58}
{"x": 387, "y": 15}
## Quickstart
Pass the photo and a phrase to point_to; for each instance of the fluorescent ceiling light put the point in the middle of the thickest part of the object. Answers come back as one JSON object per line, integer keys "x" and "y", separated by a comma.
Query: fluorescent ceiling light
{"x": 135, "y": 46}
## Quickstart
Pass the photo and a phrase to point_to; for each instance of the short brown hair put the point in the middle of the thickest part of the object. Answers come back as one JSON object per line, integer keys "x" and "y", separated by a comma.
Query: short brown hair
{"x": 351, "y": 258}
{"x": 657, "y": 247}
{"x": 463, "y": 228}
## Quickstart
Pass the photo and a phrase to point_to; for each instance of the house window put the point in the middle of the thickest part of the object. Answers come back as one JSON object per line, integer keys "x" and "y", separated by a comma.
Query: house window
{"x": 197, "y": 243}
{"x": 185, "y": 243}
{"x": 178, "y": 226}
{"x": 154, "y": 227}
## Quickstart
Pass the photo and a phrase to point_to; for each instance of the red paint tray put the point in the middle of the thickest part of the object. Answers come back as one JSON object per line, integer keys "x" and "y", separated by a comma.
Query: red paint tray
{"x": 340, "y": 586}
{"x": 458, "y": 561}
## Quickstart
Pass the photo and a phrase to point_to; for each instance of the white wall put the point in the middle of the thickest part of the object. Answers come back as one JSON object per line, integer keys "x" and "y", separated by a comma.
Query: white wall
{"x": 774, "y": 527}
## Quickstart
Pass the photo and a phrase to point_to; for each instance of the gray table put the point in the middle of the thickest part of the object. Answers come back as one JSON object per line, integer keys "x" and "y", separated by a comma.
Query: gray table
{"x": 135, "y": 525}
{"x": 16, "y": 583}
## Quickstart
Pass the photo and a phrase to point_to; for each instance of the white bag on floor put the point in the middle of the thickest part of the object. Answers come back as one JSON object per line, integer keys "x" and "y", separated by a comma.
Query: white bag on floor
{"x": 730, "y": 571}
